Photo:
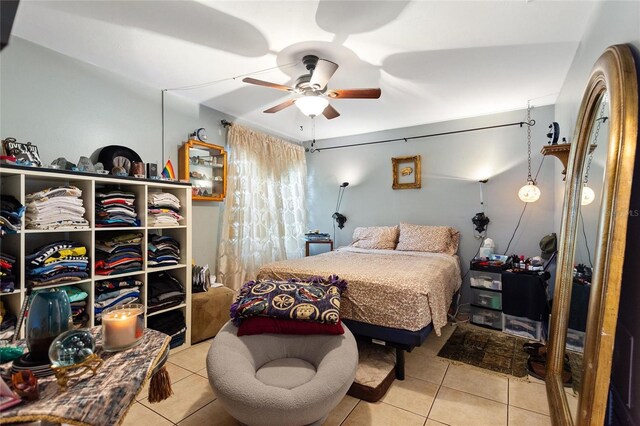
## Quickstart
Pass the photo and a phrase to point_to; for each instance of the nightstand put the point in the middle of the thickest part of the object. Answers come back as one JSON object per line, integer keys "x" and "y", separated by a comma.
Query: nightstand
{"x": 309, "y": 242}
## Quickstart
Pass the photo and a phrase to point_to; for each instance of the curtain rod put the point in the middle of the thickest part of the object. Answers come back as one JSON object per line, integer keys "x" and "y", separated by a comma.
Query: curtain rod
{"x": 519, "y": 123}
{"x": 226, "y": 123}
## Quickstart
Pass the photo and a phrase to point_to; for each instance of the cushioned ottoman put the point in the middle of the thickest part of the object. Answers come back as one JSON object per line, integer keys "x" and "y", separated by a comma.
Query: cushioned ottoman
{"x": 278, "y": 379}
{"x": 209, "y": 312}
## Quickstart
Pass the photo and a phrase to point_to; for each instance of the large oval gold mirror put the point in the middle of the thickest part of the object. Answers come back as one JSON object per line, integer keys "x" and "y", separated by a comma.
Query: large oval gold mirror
{"x": 608, "y": 123}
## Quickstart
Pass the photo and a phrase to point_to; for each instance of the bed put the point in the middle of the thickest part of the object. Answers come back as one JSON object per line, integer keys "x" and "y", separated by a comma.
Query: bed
{"x": 395, "y": 298}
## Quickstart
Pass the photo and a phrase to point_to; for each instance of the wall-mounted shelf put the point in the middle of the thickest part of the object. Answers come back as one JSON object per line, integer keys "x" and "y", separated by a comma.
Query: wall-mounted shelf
{"x": 561, "y": 151}
{"x": 205, "y": 166}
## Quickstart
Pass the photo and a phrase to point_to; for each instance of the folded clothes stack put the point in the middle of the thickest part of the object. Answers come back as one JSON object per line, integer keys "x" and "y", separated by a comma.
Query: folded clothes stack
{"x": 110, "y": 293}
{"x": 163, "y": 251}
{"x": 78, "y": 299}
{"x": 11, "y": 212}
{"x": 171, "y": 323}
{"x": 57, "y": 262}
{"x": 7, "y": 323}
{"x": 164, "y": 209}
{"x": 56, "y": 208}
{"x": 116, "y": 208}
{"x": 119, "y": 254}
{"x": 7, "y": 277}
{"x": 164, "y": 291}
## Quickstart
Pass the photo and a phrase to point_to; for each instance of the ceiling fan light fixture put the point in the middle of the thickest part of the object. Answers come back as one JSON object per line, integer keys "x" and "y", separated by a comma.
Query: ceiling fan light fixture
{"x": 311, "y": 105}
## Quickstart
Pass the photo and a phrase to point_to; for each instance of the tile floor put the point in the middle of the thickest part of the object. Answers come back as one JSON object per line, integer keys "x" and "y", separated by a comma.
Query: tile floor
{"x": 434, "y": 393}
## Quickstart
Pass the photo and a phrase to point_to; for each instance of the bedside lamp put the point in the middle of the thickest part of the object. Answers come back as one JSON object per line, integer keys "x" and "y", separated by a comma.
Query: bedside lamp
{"x": 340, "y": 218}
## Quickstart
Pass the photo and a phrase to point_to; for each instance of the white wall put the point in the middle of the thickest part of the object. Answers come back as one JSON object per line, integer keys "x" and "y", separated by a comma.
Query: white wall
{"x": 70, "y": 108}
{"x": 450, "y": 194}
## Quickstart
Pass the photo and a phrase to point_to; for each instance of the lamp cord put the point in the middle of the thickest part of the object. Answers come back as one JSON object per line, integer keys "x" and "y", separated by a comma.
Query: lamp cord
{"x": 523, "y": 210}
{"x": 586, "y": 243}
{"x": 454, "y": 316}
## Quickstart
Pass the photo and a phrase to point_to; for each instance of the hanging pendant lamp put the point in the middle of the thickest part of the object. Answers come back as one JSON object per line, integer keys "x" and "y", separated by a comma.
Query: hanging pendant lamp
{"x": 530, "y": 192}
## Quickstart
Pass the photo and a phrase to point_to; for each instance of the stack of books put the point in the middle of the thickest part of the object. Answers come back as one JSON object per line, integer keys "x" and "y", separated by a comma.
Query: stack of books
{"x": 317, "y": 236}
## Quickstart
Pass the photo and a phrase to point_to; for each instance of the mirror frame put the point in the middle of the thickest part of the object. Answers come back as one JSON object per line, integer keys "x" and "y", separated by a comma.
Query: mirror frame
{"x": 614, "y": 73}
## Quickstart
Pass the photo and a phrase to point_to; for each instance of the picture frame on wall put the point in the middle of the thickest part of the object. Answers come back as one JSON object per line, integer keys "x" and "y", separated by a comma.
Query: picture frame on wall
{"x": 407, "y": 173}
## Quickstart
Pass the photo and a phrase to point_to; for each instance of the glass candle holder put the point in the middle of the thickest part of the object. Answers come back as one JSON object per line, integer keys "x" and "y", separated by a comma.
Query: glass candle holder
{"x": 122, "y": 327}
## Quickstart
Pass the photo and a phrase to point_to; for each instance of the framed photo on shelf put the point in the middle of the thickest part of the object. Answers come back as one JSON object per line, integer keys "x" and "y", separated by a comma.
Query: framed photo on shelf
{"x": 406, "y": 172}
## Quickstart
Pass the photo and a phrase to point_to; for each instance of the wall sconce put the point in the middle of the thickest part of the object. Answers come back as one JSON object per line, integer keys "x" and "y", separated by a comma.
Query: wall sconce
{"x": 341, "y": 219}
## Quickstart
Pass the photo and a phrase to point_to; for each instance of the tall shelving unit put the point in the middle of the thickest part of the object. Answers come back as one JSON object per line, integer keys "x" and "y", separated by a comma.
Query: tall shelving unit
{"x": 19, "y": 181}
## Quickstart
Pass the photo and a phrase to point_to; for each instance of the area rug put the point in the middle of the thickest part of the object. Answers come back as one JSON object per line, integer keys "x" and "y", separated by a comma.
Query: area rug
{"x": 497, "y": 351}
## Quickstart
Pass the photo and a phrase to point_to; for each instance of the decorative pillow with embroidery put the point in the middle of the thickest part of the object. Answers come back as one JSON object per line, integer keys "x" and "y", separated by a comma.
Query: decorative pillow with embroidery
{"x": 375, "y": 237}
{"x": 317, "y": 300}
{"x": 432, "y": 239}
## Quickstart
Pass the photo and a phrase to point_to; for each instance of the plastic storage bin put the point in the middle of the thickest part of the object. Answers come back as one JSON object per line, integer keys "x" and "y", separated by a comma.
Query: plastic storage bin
{"x": 486, "y": 317}
{"x": 483, "y": 279}
{"x": 523, "y": 327}
{"x": 486, "y": 299}
{"x": 575, "y": 340}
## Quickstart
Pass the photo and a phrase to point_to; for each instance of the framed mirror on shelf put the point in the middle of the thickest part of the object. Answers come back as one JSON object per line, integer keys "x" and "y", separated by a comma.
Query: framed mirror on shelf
{"x": 205, "y": 166}
{"x": 591, "y": 250}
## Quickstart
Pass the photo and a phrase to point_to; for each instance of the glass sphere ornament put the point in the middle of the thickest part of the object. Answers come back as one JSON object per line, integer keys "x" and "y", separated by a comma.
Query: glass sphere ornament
{"x": 49, "y": 316}
{"x": 72, "y": 347}
{"x": 587, "y": 196}
{"x": 529, "y": 193}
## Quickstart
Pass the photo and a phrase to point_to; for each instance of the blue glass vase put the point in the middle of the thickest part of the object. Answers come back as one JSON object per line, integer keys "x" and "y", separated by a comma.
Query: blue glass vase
{"x": 49, "y": 316}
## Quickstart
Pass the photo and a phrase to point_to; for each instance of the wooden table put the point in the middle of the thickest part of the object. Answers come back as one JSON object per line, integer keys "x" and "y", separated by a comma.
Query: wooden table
{"x": 103, "y": 399}
{"x": 309, "y": 242}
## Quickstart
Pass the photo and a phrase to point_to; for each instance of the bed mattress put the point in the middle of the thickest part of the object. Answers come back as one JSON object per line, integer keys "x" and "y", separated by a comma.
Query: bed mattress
{"x": 397, "y": 289}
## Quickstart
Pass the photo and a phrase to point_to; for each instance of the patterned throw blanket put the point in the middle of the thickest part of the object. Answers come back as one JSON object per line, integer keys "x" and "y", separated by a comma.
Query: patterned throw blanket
{"x": 316, "y": 300}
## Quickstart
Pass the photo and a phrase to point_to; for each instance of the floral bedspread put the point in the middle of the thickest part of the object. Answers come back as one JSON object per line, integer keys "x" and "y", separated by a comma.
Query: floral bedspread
{"x": 406, "y": 290}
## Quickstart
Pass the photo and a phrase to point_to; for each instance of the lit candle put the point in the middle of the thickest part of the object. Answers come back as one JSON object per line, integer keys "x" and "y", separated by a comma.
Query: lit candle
{"x": 121, "y": 327}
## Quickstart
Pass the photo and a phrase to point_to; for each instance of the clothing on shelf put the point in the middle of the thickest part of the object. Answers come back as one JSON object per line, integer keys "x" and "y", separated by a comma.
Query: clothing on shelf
{"x": 78, "y": 299}
{"x": 119, "y": 254}
{"x": 110, "y": 293}
{"x": 200, "y": 279}
{"x": 171, "y": 323}
{"x": 11, "y": 212}
{"x": 7, "y": 323}
{"x": 57, "y": 262}
{"x": 116, "y": 208}
{"x": 164, "y": 209}
{"x": 164, "y": 291}
{"x": 162, "y": 250}
{"x": 7, "y": 277}
{"x": 56, "y": 208}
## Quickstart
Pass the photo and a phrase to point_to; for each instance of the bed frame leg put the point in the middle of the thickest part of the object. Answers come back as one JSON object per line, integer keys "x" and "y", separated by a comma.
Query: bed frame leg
{"x": 399, "y": 364}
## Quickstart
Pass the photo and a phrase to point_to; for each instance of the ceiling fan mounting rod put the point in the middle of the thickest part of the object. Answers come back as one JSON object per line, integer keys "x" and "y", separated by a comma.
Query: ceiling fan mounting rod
{"x": 310, "y": 62}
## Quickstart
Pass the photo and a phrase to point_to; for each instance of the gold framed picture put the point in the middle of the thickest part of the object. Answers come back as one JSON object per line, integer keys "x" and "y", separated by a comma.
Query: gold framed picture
{"x": 406, "y": 172}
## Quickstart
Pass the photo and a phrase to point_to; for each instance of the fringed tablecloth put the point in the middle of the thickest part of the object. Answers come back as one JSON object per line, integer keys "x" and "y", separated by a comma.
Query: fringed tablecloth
{"x": 98, "y": 400}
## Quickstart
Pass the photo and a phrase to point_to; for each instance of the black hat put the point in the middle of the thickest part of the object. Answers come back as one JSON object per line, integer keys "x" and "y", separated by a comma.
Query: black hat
{"x": 548, "y": 245}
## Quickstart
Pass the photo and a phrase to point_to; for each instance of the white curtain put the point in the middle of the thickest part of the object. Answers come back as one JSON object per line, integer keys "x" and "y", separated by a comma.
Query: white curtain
{"x": 265, "y": 215}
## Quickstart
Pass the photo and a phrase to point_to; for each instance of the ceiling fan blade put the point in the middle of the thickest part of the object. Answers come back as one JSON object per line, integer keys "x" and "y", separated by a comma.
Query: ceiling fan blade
{"x": 280, "y": 107}
{"x": 322, "y": 73}
{"x": 330, "y": 112}
{"x": 355, "y": 93}
{"x": 267, "y": 84}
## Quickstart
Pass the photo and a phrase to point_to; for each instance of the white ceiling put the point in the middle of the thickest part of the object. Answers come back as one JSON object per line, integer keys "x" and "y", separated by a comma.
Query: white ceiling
{"x": 434, "y": 61}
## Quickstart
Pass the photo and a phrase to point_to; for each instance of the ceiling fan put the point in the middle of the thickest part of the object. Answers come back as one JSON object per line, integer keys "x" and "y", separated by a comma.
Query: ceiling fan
{"x": 313, "y": 87}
